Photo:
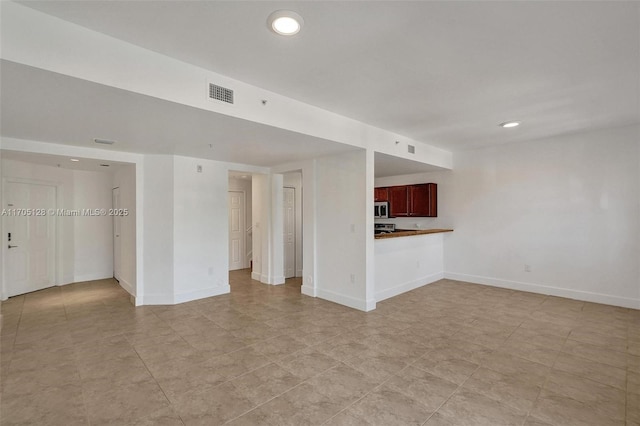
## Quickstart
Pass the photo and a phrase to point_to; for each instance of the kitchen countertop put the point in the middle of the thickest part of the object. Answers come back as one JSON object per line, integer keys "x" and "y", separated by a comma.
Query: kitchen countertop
{"x": 410, "y": 232}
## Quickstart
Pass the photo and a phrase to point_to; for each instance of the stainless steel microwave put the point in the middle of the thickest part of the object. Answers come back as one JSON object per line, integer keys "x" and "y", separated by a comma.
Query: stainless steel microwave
{"x": 381, "y": 210}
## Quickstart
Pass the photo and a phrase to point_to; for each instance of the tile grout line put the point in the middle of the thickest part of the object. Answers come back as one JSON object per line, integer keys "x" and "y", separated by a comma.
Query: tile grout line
{"x": 280, "y": 394}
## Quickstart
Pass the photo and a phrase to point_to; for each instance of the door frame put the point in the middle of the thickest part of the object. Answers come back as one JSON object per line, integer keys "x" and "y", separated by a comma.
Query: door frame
{"x": 245, "y": 262}
{"x": 113, "y": 232}
{"x": 295, "y": 232}
{"x": 57, "y": 228}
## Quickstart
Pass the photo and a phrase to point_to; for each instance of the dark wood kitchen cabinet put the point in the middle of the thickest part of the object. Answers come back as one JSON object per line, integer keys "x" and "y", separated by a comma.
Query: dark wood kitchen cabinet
{"x": 420, "y": 200}
{"x": 399, "y": 201}
{"x": 423, "y": 200}
{"x": 381, "y": 194}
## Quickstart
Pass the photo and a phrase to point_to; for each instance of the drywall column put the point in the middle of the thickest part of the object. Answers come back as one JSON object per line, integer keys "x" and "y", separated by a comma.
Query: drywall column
{"x": 341, "y": 221}
{"x": 370, "y": 268}
{"x": 200, "y": 234}
{"x": 158, "y": 231}
{"x": 268, "y": 258}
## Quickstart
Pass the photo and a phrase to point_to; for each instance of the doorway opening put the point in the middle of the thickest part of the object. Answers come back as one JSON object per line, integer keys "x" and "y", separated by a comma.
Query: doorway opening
{"x": 239, "y": 205}
{"x": 71, "y": 226}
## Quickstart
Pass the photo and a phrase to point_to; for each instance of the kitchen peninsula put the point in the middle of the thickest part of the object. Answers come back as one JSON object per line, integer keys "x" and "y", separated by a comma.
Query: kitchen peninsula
{"x": 408, "y": 259}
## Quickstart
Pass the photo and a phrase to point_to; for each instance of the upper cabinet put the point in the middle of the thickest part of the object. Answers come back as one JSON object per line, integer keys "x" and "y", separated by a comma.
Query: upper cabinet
{"x": 381, "y": 194}
{"x": 399, "y": 201}
{"x": 420, "y": 200}
{"x": 423, "y": 200}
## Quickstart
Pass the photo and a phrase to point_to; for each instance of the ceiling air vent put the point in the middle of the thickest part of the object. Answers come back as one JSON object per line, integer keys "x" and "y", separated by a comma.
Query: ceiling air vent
{"x": 411, "y": 149}
{"x": 220, "y": 93}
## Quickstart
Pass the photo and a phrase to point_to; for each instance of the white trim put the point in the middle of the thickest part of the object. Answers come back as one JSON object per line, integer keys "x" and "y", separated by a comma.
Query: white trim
{"x": 201, "y": 294}
{"x": 408, "y": 286}
{"x": 352, "y": 302}
{"x": 255, "y": 276}
{"x": 92, "y": 277}
{"x": 586, "y": 296}
{"x": 127, "y": 287}
{"x": 308, "y": 290}
{"x": 174, "y": 299}
{"x": 266, "y": 279}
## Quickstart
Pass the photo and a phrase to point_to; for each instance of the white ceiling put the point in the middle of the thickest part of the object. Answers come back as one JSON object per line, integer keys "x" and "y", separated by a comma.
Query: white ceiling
{"x": 441, "y": 72}
{"x": 44, "y": 106}
{"x": 388, "y": 165}
{"x": 86, "y": 164}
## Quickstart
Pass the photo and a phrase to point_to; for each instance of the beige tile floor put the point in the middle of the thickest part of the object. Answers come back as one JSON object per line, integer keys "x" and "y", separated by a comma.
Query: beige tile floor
{"x": 450, "y": 353}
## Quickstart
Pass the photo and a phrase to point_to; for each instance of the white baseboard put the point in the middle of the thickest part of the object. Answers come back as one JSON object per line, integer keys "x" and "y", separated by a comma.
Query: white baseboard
{"x": 341, "y": 299}
{"x": 92, "y": 277}
{"x": 127, "y": 287}
{"x": 408, "y": 286}
{"x": 308, "y": 291}
{"x": 585, "y": 296}
{"x": 67, "y": 279}
{"x": 201, "y": 294}
{"x": 174, "y": 299}
{"x": 266, "y": 279}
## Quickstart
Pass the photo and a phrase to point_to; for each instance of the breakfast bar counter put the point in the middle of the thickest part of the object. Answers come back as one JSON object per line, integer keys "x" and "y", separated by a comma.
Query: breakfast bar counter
{"x": 410, "y": 232}
{"x": 404, "y": 264}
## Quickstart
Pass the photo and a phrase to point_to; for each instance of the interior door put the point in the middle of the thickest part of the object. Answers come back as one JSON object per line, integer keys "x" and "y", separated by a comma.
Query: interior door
{"x": 30, "y": 240}
{"x": 289, "y": 230}
{"x": 236, "y": 230}
{"x": 117, "y": 226}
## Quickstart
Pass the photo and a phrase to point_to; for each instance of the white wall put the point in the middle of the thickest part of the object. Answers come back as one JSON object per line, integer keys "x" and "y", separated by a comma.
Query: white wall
{"x": 124, "y": 177}
{"x": 239, "y": 184}
{"x": 405, "y": 263}
{"x": 158, "y": 230}
{"x": 93, "y": 235}
{"x": 341, "y": 216}
{"x": 201, "y": 232}
{"x": 294, "y": 180}
{"x": 568, "y": 207}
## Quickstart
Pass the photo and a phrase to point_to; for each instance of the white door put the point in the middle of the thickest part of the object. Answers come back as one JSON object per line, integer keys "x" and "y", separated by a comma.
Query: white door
{"x": 115, "y": 197}
{"x": 236, "y": 230}
{"x": 30, "y": 237}
{"x": 289, "y": 232}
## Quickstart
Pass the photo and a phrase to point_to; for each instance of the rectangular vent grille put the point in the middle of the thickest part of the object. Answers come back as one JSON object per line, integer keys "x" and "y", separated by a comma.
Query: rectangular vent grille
{"x": 411, "y": 149}
{"x": 220, "y": 93}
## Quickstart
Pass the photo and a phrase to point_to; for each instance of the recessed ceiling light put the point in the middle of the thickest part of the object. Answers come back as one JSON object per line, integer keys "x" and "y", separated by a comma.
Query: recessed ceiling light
{"x": 75, "y": 160}
{"x": 509, "y": 124}
{"x": 285, "y": 22}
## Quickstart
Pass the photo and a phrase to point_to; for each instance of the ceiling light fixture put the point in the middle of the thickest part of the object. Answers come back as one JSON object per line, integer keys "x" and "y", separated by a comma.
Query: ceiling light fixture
{"x": 509, "y": 124}
{"x": 75, "y": 160}
{"x": 285, "y": 22}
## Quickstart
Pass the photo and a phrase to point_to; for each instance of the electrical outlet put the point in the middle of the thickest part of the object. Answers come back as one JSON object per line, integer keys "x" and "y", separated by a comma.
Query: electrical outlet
{"x": 199, "y": 168}
{"x": 417, "y": 264}
{"x": 353, "y": 278}
{"x": 527, "y": 268}
{"x": 353, "y": 227}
